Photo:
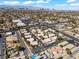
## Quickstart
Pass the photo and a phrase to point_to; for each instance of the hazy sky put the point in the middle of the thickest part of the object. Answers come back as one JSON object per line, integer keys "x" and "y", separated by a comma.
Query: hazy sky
{"x": 56, "y": 4}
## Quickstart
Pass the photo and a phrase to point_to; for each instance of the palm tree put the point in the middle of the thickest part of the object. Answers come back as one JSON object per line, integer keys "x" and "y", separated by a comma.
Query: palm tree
{"x": 68, "y": 51}
{"x": 61, "y": 46}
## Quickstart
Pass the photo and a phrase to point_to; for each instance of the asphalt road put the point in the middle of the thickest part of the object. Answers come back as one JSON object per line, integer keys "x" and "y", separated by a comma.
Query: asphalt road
{"x": 27, "y": 52}
{"x": 65, "y": 34}
{"x": 1, "y": 48}
{"x": 48, "y": 25}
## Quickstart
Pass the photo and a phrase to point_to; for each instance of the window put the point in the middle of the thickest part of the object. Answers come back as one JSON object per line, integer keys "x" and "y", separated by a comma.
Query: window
{"x": 0, "y": 36}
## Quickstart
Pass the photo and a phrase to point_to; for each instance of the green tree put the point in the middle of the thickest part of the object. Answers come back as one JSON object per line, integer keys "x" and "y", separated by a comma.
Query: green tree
{"x": 1, "y": 21}
{"x": 60, "y": 58}
{"x": 68, "y": 51}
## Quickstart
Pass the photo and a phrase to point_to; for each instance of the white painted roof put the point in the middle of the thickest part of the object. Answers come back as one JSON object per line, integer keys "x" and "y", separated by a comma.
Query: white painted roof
{"x": 20, "y": 24}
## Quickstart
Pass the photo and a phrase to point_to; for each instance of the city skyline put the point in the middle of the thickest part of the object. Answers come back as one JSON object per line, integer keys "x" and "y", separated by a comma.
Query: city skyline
{"x": 51, "y": 4}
